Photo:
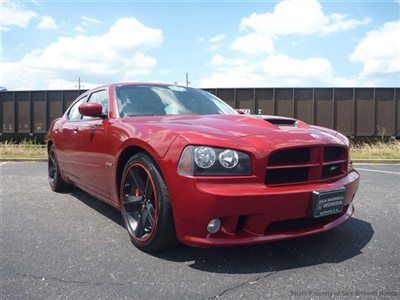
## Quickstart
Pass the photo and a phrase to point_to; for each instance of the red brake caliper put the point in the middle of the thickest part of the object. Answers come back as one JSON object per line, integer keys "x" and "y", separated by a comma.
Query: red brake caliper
{"x": 136, "y": 192}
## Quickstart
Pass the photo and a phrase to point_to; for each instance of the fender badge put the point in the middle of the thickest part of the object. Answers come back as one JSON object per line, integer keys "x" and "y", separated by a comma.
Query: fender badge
{"x": 108, "y": 164}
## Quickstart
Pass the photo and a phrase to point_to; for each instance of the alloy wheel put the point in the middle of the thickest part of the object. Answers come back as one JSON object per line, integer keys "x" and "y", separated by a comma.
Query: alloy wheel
{"x": 140, "y": 203}
{"x": 52, "y": 166}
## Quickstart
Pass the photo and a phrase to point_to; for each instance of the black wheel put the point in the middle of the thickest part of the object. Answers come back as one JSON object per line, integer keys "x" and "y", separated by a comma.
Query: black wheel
{"x": 145, "y": 205}
{"x": 57, "y": 184}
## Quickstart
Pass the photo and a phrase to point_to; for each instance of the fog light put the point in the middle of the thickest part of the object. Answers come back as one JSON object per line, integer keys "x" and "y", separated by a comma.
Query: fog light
{"x": 214, "y": 225}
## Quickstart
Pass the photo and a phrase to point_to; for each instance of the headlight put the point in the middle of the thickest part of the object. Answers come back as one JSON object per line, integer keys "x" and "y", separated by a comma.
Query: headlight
{"x": 204, "y": 157}
{"x": 228, "y": 158}
{"x": 202, "y": 161}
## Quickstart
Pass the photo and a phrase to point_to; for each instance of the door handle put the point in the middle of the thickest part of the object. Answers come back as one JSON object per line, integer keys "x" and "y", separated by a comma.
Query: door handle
{"x": 76, "y": 129}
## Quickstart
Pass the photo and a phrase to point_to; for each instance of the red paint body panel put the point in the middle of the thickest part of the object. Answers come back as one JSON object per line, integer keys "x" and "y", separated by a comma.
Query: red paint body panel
{"x": 88, "y": 152}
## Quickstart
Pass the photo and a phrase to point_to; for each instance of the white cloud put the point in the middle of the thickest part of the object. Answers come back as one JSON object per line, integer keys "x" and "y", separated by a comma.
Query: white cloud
{"x": 164, "y": 71}
{"x": 275, "y": 71}
{"x": 86, "y": 22}
{"x": 217, "y": 38}
{"x": 47, "y": 22}
{"x": 214, "y": 42}
{"x": 78, "y": 29}
{"x": 58, "y": 84}
{"x": 254, "y": 43}
{"x": 342, "y": 22}
{"x": 14, "y": 14}
{"x": 99, "y": 58}
{"x": 289, "y": 17}
{"x": 89, "y": 21}
{"x": 379, "y": 51}
{"x": 217, "y": 60}
{"x": 262, "y": 66}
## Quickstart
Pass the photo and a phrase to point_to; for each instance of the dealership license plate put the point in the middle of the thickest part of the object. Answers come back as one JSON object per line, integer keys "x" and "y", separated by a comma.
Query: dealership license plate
{"x": 327, "y": 203}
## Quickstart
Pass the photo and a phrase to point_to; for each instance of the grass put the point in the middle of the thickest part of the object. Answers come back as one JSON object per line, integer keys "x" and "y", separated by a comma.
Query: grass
{"x": 25, "y": 149}
{"x": 376, "y": 150}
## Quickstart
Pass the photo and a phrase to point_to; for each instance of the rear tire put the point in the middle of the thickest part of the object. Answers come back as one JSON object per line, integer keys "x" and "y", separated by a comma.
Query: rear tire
{"x": 145, "y": 205}
{"x": 56, "y": 182}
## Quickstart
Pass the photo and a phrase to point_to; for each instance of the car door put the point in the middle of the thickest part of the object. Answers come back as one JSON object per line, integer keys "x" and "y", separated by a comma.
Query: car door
{"x": 93, "y": 171}
{"x": 67, "y": 141}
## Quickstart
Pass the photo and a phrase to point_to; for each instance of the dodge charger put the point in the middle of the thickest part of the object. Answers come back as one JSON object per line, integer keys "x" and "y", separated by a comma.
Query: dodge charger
{"x": 183, "y": 166}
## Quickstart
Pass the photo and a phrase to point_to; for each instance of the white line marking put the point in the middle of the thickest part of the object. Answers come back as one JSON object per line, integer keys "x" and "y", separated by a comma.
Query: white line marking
{"x": 375, "y": 164}
{"x": 3, "y": 163}
{"x": 378, "y": 171}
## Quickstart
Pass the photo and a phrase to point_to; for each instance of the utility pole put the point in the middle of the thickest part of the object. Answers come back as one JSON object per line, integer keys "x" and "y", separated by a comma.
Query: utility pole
{"x": 79, "y": 85}
{"x": 187, "y": 79}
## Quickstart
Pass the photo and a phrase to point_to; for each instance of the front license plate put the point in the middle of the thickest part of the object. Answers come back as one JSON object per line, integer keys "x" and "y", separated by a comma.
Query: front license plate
{"x": 327, "y": 203}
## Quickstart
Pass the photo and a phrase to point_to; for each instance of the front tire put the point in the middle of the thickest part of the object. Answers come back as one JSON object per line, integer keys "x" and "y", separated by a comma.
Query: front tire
{"x": 145, "y": 205}
{"x": 56, "y": 182}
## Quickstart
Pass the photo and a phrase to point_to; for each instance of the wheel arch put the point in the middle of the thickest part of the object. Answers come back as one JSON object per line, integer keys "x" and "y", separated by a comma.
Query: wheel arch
{"x": 49, "y": 144}
{"x": 123, "y": 158}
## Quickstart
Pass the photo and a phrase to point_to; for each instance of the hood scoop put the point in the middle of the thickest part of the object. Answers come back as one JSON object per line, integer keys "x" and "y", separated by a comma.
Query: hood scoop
{"x": 282, "y": 121}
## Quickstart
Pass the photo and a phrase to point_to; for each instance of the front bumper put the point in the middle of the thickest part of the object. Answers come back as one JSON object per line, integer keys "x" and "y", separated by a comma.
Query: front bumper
{"x": 251, "y": 212}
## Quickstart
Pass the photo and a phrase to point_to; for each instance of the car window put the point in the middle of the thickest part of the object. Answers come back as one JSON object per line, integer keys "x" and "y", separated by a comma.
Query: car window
{"x": 99, "y": 97}
{"x": 73, "y": 113}
{"x": 134, "y": 100}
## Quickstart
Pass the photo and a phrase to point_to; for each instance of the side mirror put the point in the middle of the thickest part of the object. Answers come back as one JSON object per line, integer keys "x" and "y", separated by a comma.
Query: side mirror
{"x": 91, "y": 109}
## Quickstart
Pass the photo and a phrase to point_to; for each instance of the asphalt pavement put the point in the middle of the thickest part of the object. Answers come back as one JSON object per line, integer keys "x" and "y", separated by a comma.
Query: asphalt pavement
{"x": 72, "y": 246}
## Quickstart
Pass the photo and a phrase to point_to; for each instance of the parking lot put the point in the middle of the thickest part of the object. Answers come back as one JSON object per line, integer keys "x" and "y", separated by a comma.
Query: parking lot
{"x": 74, "y": 246}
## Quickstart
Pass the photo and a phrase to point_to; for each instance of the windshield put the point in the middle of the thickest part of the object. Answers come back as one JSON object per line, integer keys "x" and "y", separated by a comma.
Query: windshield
{"x": 139, "y": 100}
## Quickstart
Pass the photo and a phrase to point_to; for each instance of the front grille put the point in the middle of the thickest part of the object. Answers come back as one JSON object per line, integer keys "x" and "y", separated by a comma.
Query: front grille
{"x": 298, "y": 155}
{"x": 307, "y": 164}
{"x": 333, "y": 153}
{"x": 332, "y": 170}
{"x": 276, "y": 176}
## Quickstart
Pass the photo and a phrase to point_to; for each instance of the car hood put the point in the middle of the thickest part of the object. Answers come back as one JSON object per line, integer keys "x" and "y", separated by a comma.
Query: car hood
{"x": 252, "y": 128}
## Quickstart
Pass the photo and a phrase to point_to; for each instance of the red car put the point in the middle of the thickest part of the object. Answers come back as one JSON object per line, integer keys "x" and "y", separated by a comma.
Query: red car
{"x": 182, "y": 165}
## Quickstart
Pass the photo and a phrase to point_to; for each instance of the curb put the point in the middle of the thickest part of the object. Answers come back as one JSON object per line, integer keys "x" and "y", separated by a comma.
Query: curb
{"x": 355, "y": 161}
{"x": 376, "y": 161}
{"x": 23, "y": 159}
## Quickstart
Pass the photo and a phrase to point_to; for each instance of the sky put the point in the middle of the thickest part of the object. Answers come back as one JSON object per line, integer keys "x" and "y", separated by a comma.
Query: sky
{"x": 288, "y": 43}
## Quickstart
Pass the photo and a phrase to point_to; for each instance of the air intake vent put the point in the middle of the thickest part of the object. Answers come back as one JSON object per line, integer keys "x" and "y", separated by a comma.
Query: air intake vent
{"x": 290, "y": 156}
{"x": 333, "y": 153}
{"x": 279, "y": 176}
{"x": 281, "y": 122}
